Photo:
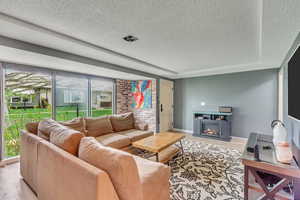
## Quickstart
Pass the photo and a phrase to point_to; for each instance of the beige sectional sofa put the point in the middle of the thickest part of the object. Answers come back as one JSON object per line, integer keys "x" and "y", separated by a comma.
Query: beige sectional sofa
{"x": 84, "y": 159}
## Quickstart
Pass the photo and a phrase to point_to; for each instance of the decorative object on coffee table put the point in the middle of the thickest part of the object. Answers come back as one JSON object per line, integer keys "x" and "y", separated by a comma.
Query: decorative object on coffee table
{"x": 161, "y": 145}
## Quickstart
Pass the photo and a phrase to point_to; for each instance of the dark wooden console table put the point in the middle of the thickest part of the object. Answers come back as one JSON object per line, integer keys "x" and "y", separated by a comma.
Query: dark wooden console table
{"x": 269, "y": 164}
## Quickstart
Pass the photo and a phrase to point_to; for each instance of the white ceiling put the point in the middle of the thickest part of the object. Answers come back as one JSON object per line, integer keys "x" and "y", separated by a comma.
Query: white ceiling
{"x": 177, "y": 38}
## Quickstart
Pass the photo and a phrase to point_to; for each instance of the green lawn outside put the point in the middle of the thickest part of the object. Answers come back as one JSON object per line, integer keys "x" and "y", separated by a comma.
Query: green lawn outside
{"x": 17, "y": 118}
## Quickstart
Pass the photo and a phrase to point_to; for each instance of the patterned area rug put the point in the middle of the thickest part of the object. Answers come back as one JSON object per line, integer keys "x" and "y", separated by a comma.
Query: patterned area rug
{"x": 206, "y": 172}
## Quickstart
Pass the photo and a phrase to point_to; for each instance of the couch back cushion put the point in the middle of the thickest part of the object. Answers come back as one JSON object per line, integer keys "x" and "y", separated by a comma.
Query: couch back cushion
{"x": 122, "y": 122}
{"x": 32, "y": 127}
{"x": 120, "y": 166}
{"x": 44, "y": 128}
{"x": 77, "y": 124}
{"x": 96, "y": 126}
{"x": 64, "y": 137}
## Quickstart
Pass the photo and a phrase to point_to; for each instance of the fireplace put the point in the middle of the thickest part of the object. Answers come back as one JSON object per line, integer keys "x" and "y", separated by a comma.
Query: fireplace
{"x": 210, "y": 128}
{"x": 212, "y": 124}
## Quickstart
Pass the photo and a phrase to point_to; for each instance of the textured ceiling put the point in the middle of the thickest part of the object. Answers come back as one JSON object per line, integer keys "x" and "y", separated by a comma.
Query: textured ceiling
{"x": 177, "y": 38}
{"x": 281, "y": 24}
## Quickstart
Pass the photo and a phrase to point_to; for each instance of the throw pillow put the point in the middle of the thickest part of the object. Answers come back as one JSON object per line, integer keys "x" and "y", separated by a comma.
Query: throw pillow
{"x": 77, "y": 124}
{"x": 64, "y": 137}
{"x": 96, "y": 126}
{"x": 122, "y": 122}
{"x": 32, "y": 127}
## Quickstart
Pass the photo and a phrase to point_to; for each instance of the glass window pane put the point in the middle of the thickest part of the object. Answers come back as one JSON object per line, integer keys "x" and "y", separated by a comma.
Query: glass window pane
{"x": 27, "y": 98}
{"x": 71, "y": 97}
{"x": 102, "y": 97}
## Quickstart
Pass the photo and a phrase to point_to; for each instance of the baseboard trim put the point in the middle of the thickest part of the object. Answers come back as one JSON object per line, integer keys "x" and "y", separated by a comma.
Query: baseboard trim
{"x": 191, "y": 132}
{"x": 240, "y": 138}
{"x": 9, "y": 161}
{"x": 182, "y": 130}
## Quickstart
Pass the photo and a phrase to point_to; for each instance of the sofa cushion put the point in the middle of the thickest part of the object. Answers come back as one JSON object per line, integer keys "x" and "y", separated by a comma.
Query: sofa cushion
{"x": 135, "y": 134}
{"x": 154, "y": 177}
{"x": 66, "y": 138}
{"x": 32, "y": 127}
{"x": 114, "y": 140}
{"x": 122, "y": 122}
{"x": 45, "y": 127}
{"x": 77, "y": 124}
{"x": 96, "y": 126}
{"x": 120, "y": 166}
{"x": 141, "y": 126}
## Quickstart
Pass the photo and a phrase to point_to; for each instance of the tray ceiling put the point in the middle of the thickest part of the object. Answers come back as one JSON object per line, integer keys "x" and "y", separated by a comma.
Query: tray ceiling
{"x": 178, "y": 38}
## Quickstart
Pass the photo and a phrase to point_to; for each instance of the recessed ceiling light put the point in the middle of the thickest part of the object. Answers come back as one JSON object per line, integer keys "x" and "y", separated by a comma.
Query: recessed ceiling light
{"x": 130, "y": 38}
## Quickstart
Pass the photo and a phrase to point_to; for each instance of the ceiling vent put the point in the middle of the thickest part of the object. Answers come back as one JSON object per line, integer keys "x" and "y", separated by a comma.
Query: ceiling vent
{"x": 130, "y": 38}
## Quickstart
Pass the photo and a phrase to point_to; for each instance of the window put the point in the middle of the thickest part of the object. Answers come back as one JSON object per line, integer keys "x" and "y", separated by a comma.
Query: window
{"x": 71, "y": 96}
{"x": 27, "y": 98}
{"x": 102, "y": 97}
{"x": 15, "y": 100}
{"x": 21, "y": 99}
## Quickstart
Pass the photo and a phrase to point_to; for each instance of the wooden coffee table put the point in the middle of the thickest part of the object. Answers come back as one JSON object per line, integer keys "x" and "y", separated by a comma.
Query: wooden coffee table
{"x": 161, "y": 145}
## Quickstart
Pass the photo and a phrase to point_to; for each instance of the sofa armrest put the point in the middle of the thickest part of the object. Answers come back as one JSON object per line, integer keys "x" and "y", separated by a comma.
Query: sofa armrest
{"x": 63, "y": 176}
{"x": 154, "y": 176}
{"x": 141, "y": 126}
{"x": 28, "y": 158}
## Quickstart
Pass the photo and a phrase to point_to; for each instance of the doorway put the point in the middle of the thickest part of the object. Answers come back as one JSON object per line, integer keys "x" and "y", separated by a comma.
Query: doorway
{"x": 166, "y": 105}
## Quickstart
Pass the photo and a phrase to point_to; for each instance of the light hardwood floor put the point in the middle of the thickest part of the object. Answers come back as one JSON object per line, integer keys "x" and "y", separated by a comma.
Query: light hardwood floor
{"x": 235, "y": 143}
{"x": 12, "y": 186}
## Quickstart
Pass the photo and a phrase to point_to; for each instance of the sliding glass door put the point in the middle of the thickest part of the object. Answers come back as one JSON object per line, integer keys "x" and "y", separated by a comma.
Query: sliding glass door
{"x": 101, "y": 97}
{"x": 32, "y": 94}
{"x": 27, "y": 98}
{"x": 71, "y": 97}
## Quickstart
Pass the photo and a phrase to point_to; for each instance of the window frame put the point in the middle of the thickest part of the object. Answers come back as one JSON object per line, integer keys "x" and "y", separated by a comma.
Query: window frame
{"x": 21, "y": 99}
{"x": 1, "y": 111}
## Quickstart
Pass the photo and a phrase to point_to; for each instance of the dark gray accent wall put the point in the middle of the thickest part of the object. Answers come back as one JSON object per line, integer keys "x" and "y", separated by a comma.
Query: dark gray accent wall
{"x": 253, "y": 95}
